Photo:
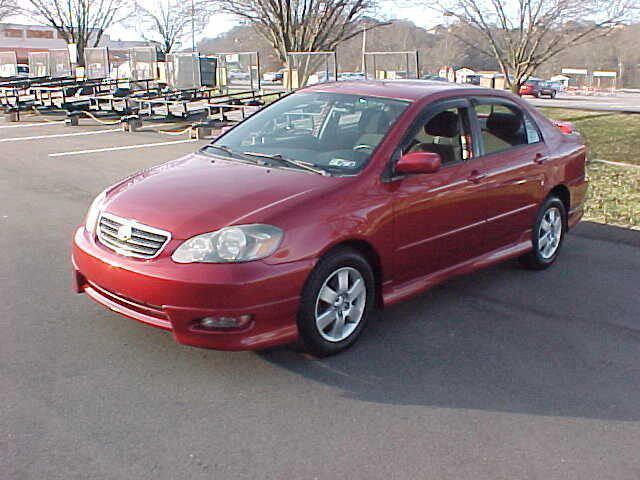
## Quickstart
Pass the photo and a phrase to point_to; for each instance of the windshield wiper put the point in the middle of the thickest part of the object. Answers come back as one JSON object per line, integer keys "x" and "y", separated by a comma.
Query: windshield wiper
{"x": 224, "y": 148}
{"x": 231, "y": 153}
{"x": 278, "y": 157}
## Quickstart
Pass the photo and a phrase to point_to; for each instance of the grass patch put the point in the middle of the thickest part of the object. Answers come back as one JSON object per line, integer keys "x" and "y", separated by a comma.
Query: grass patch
{"x": 610, "y": 136}
{"x": 614, "y": 193}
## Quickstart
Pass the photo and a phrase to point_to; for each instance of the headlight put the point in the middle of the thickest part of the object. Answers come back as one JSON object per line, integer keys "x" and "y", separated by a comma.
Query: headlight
{"x": 231, "y": 244}
{"x": 94, "y": 212}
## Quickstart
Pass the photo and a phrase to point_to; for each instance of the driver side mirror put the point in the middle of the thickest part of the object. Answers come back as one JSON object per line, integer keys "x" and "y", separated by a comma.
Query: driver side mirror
{"x": 418, "y": 162}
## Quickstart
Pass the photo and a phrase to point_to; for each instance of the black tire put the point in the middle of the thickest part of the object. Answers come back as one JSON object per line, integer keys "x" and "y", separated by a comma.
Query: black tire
{"x": 536, "y": 259}
{"x": 553, "y": 95}
{"x": 310, "y": 336}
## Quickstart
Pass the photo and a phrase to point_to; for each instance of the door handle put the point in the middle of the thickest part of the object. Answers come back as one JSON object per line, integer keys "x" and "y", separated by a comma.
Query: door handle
{"x": 540, "y": 158}
{"x": 476, "y": 177}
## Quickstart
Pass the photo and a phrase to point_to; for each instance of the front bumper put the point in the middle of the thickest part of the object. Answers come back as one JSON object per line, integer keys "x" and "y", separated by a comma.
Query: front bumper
{"x": 174, "y": 297}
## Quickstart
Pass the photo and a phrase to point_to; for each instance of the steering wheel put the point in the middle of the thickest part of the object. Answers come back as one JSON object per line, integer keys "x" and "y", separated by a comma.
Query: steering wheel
{"x": 363, "y": 146}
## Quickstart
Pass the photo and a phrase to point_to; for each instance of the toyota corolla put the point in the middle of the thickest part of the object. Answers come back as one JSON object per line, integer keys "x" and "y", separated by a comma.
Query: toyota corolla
{"x": 337, "y": 199}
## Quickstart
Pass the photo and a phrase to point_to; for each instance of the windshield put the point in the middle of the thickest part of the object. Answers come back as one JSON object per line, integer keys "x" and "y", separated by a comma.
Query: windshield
{"x": 333, "y": 132}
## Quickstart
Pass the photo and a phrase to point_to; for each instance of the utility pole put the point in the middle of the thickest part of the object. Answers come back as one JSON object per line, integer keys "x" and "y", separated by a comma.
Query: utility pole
{"x": 364, "y": 47}
{"x": 366, "y": 28}
{"x": 193, "y": 26}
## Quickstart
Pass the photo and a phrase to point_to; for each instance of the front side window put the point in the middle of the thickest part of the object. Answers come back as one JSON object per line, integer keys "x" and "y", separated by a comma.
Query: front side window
{"x": 445, "y": 133}
{"x": 335, "y": 132}
{"x": 504, "y": 127}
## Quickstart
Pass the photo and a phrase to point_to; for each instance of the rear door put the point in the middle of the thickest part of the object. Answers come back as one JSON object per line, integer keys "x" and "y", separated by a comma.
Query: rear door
{"x": 512, "y": 149}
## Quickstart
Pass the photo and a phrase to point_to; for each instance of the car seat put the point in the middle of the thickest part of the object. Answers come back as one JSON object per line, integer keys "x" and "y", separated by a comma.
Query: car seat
{"x": 508, "y": 127}
{"x": 445, "y": 130}
{"x": 373, "y": 126}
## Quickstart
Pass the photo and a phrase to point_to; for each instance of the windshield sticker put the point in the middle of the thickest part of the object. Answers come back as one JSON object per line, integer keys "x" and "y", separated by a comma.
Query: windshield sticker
{"x": 341, "y": 162}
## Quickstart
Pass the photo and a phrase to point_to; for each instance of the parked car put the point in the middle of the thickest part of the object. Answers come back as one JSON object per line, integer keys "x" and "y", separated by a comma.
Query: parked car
{"x": 336, "y": 199}
{"x": 344, "y": 76}
{"x": 557, "y": 86}
{"x": 539, "y": 88}
{"x": 274, "y": 76}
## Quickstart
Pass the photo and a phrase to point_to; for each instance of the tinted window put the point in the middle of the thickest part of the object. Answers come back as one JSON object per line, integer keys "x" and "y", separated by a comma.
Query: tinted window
{"x": 445, "y": 133}
{"x": 337, "y": 132}
{"x": 502, "y": 127}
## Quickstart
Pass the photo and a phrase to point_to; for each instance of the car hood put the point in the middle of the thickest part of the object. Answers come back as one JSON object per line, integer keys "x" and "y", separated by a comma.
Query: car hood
{"x": 202, "y": 193}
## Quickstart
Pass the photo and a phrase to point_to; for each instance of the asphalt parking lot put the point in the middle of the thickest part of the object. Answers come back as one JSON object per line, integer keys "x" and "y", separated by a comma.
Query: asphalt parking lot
{"x": 504, "y": 374}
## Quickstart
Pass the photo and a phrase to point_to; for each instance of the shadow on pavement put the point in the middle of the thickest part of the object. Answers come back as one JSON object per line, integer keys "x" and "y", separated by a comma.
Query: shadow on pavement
{"x": 563, "y": 342}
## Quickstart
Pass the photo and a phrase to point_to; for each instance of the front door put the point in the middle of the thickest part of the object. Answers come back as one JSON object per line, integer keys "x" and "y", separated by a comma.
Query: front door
{"x": 439, "y": 217}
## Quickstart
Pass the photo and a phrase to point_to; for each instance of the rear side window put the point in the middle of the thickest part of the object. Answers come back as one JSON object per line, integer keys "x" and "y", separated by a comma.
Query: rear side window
{"x": 504, "y": 127}
{"x": 533, "y": 134}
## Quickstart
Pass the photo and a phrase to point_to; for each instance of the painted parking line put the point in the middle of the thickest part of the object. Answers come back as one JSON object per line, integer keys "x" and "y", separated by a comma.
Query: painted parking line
{"x": 59, "y": 135}
{"x": 156, "y": 125}
{"x": 24, "y": 125}
{"x": 113, "y": 149}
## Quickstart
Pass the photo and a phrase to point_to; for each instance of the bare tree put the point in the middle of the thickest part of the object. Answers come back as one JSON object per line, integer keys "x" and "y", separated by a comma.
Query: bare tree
{"x": 301, "y": 25}
{"x": 8, "y": 8}
{"x": 524, "y": 34}
{"x": 169, "y": 22}
{"x": 82, "y": 22}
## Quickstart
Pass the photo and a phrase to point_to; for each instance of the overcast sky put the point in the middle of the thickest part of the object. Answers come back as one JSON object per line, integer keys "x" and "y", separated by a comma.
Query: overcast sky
{"x": 222, "y": 23}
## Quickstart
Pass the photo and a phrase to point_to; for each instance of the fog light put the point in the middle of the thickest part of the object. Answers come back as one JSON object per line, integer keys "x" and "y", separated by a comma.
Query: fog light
{"x": 225, "y": 322}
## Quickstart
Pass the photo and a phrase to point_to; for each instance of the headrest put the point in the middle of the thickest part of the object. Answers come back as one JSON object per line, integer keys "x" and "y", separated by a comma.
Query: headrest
{"x": 504, "y": 124}
{"x": 445, "y": 124}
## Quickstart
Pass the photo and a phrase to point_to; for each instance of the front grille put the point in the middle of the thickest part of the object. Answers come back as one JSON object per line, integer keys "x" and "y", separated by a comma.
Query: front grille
{"x": 130, "y": 238}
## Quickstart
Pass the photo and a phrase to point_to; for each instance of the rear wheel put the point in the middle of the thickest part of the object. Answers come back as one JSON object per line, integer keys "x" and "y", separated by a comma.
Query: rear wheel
{"x": 548, "y": 235}
{"x": 336, "y": 302}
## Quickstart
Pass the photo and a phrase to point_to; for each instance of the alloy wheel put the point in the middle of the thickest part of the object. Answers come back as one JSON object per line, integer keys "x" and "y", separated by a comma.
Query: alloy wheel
{"x": 550, "y": 233}
{"x": 340, "y": 304}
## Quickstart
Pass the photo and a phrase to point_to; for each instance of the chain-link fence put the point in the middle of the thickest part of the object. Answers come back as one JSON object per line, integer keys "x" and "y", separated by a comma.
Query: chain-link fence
{"x": 59, "y": 63}
{"x": 144, "y": 63}
{"x": 238, "y": 71}
{"x": 38, "y": 64}
{"x": 96, "y": 63}
{"x": 8, "y": 64}
{"x": 391, "y": 65}
{"x": 308, "y": 68}
{"x": 183, "y": 71}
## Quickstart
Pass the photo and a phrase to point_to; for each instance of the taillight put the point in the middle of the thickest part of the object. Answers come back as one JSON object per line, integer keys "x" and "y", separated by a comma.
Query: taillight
{"x": 565, "y": 127}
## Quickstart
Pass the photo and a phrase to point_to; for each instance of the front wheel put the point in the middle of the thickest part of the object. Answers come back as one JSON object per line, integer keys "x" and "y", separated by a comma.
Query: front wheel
{"x": 548, "y": 235}
{"x": 336, "y": 302}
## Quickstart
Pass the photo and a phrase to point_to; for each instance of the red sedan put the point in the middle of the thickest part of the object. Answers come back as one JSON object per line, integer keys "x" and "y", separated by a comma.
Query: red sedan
{"x": 538, "y": 88}
{"x": 339, "y": 198}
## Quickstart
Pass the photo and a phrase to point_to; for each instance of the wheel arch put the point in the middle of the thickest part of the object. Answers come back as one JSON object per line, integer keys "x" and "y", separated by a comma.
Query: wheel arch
{"x": 562, "y": 192}
{"x": 369, "y": 252}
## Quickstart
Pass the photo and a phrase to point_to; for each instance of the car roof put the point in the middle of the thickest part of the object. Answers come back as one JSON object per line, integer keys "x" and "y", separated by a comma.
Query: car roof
{"x": 410, "y": 90}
